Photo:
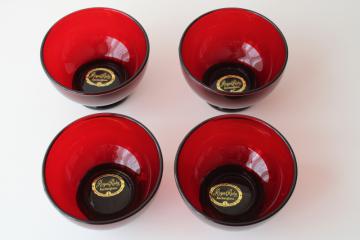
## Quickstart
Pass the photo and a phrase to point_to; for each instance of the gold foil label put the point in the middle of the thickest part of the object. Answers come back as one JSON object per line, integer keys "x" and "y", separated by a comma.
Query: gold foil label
{"x": 100, "y": 77}
{"x": 231, "y": 83}
{"x": 225, "y": 195}
{"x": 108, "y": 185}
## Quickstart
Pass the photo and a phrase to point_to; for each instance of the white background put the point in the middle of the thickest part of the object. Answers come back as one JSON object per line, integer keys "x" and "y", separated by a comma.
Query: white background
{"x": 316, "y": 107}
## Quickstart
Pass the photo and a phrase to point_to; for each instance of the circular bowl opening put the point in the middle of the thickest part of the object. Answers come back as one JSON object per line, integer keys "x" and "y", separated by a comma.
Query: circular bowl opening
{"x": 245, "y": 150}
{"x": 84, "y": 147}
{"x": 90, "y": 35}
{"x": 234, "y": 38}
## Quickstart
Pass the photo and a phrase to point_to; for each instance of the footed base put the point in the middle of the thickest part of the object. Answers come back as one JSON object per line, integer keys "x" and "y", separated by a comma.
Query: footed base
{"x": 107, "y": 106}
{"x": 228, "y": 110}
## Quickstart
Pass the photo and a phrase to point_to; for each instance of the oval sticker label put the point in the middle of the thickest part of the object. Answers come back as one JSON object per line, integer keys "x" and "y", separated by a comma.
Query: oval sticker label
{"x": 100, "y": 77}
{"x": 225, "y": 195}
{"x": 108, "y": 185}
{"x": 231, "y": 83}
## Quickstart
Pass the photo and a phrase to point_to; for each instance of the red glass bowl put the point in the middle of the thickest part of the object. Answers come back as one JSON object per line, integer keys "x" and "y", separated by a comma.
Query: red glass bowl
{"x": 243, "y": 141}
{"x": 93, "y": 141}
{"x": 233, "y": 36}
{"x": 92, "y": 34}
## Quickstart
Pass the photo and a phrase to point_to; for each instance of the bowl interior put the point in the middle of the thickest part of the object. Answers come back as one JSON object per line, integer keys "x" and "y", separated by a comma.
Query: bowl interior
{"x": 237, "y": 140}
{"x": 92, "y": 34}
{"x": 234, "y": 35}
{"x": 93, "y": 141}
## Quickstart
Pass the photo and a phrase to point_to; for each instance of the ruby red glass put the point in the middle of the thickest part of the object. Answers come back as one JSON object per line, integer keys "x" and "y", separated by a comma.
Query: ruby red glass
{"x": 237, "y": 40}
{"x": 237, "y": 144}
{"x": 101, "y": 140}
{"x": 90, "y": 35}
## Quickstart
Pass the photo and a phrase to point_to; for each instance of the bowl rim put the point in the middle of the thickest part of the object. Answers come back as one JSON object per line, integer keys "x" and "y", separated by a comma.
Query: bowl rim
{"x": 253, "y": 91}
{"x": 128, "y": 81}
{"x": 131, "y": 213}
{"x": 237, "y": 117}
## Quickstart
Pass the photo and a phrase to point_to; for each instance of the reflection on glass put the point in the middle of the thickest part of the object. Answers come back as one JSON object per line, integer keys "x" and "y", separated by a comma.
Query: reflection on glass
{"x": 252, "y": 57}
{"x": 126, "y": 158}
{"x": 258, "y": 165}
{"x": 117, "y": 49}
